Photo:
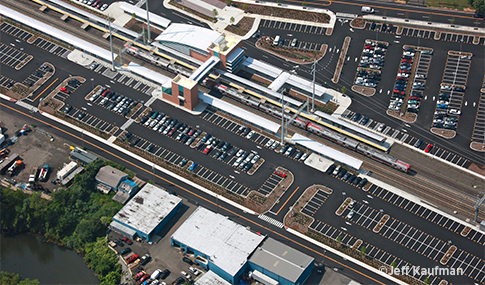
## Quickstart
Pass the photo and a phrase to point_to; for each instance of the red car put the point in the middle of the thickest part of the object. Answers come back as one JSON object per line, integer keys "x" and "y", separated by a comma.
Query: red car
{"x": 207, "y": 149}
{"x": 131, "y": 258}
{"x": 398, "y": 92}
{"x": 401, "y": 78}
{"x": 139, "y": 275}
{"x": 105, "y": 92}
{"x": 280, "y": 173}
{"x": 428, "y": 148}
{"x": 63, "y": 89}
{"x": 127, "y": 240}
{"x": 414, "y": 98}
{"x": 406, "y": 60}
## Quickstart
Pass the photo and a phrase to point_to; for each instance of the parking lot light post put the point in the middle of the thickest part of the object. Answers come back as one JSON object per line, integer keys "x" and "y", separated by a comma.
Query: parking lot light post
{"x": 92, "y": 83}
{"x": 343, "y": 195}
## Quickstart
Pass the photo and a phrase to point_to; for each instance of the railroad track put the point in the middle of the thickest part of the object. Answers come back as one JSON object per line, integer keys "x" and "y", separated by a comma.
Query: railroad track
{"x": 433, "y": 191}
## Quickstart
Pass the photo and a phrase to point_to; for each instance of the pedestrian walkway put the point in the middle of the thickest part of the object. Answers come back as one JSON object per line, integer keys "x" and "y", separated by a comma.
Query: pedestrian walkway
{"x": 271, "y": 220}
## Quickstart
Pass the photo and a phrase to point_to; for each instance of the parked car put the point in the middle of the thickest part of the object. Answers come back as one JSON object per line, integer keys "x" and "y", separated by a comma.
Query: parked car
{"x": 428, "y": 148}
{"x": 187, "y": 260}
{"x": 131, "y": 258}
{"x": 280, "y": 173}
{"x": 125, "y": 251}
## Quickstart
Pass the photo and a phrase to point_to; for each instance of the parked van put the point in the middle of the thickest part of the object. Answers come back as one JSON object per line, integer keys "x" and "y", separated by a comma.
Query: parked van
{"x": 276, "y": 40}
{"x": 366, "y": 9}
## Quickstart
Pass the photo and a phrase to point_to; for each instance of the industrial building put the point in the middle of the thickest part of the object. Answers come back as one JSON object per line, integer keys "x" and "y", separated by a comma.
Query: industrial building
{"x": 82, "y": 156}
{"x": 210, "y": 278}
{"x": 282, "y": 264}
{"x": 146, "y": 213}
{"x": 109, "y": 178}
{"x": 231, "y": 251}
{"x": 66, "y": 170}
{"x": 218, "y": 243}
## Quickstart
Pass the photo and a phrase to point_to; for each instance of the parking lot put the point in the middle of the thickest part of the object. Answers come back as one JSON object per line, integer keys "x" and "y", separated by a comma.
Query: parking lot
{"x": 124, "y": 79}
{"x": 424, "y": 213}
{"x": 11, "y": 56}
{"x": 452, "y": 90}
{"x": 371, "y": 62}
{"x": 404, "y": 137}
{"x": 226, "y": 182}
{"x": 422, "y": 33}
{"x": 373, "y": 252}
{"x": 270, "y": 184}
{"x": 6, "y": 82}
{"x": 14, "y": 31}
{"x": 418, "y": 241}
{"x": 315, "y": 203}
{"x": 292, "y": 27}
{"x": 232, "y": 126}
{"x": 478, "y": 134}
{"x": 90, "y": 120}
{"x": 52, "y": 48}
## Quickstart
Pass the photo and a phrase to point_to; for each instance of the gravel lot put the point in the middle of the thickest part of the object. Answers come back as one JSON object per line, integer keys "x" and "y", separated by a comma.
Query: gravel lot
{"x": 35, "y": 149}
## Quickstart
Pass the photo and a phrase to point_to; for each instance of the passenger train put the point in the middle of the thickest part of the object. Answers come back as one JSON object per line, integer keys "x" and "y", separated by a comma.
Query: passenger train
{"x": 317, "y": 129}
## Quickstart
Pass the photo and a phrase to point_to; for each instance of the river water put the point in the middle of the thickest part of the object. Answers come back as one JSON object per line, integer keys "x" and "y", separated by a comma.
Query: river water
{"x": 49, "y": 263}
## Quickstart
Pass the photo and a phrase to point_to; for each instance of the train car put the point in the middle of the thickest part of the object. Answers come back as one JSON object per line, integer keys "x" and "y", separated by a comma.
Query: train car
{"x": 318, "y": 130}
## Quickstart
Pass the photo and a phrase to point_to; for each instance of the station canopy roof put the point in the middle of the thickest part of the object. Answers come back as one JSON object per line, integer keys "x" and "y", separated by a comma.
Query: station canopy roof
{"x": 327, "y": 151}
{"x": 239, "y": 112}
{"x": 190, "y": 35}
{"x": 55, "y": 33}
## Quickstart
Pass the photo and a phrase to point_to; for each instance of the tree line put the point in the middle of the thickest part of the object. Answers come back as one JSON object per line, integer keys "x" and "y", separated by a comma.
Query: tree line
{"x": 77, "y": 217}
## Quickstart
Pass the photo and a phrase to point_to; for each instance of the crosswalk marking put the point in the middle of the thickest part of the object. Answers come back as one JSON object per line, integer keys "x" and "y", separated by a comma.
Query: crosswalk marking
{"x": 271, "y": 220}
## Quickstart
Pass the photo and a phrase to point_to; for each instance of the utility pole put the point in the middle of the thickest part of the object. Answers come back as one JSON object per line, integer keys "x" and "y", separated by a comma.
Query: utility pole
{"x": 111, "y": 45}
{"x": 121, "y": 55}
{"x": 148, "y": 21}
{"x": 314, "y": 69}
{"x": 282, "y": 119}
{"x": 477, "y": 206}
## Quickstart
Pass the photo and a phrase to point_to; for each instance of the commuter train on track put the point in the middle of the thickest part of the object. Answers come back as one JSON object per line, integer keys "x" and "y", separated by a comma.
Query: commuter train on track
{"x": 316, "y": 129}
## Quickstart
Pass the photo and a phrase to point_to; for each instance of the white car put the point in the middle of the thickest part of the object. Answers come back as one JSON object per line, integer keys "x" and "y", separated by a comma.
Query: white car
{"x": 255, "y": 159}
{"x": 239, "y": 153}
{"x": 186, "y": 275}
{"x": 304, "y": 156}
{"x": 194, "y": 271}
{"x": 269, "y": 143}
{"x": 155, "y": 274}
{"x": 104, "y": 7}
{"x": 250, "y": 135}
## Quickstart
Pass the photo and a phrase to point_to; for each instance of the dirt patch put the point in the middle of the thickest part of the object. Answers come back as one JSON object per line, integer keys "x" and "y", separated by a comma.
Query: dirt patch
{"x": 357, "y": 23}
{"x": 291, "y": 54}
{"x": 137, "y": 26}
{"x": 283, "y": 13}
{"x": 444, "y": 133}
{"x": 406, "y": 117}
{"x": 242, "y": 27}
{"x": 35, "y": 149}
{"x": 341, "y": 60}
{"x": 297, "y": 220}
{"x": 477, "y": 168}
{"x": 260, "y": 203}
{"x": 363, "y": 90}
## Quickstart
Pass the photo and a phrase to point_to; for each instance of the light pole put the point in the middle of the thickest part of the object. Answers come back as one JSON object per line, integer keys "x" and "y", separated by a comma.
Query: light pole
{"x": 343, "y": 195}
{"x": 92, "y": 83}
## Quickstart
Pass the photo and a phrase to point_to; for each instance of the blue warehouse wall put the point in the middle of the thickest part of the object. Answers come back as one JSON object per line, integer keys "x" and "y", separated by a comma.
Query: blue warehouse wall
{"x": 139, "y": 233}
{"x": 306, "y": 273}
{"x": 167, "y": 219}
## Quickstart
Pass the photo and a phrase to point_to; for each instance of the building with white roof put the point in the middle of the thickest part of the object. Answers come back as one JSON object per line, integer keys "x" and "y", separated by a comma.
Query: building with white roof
{"x": 146, "y": 213}
{"x": 210, "y": 278}
{"x": 218, "y": 243}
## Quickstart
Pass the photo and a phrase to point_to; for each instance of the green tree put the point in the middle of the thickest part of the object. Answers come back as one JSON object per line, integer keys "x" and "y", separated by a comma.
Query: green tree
{"x": 245, "y": 7}
{"x": 228, "y": 2}
{"x": 394, "y": 264}
{"x": 215, "y": 13}
{"x": 478, "y": 5}
{"x": 232, "y": 20}
{"x": 363, "y": 250}
{"x": 344, "y": 89}
{"x": 279, "y": 1}
{"x": 339, "y": 239}
{"x": 304, "y": 4}
{"x": 7, "y": 278}
{"x": 426, "y": 280}
{"x": 133, "y": 16}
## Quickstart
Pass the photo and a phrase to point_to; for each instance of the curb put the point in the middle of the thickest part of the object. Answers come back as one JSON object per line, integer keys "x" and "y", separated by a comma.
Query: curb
{"x": 345, "y": 257}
